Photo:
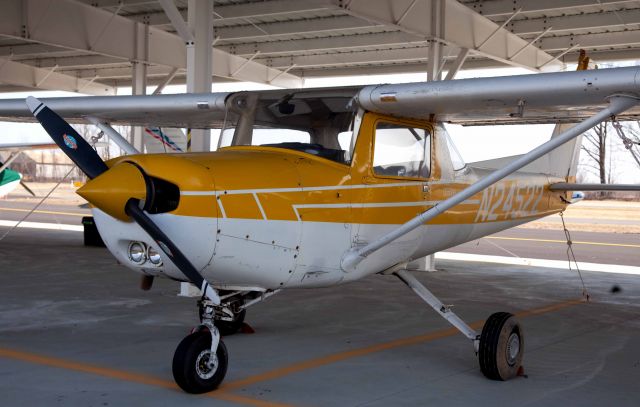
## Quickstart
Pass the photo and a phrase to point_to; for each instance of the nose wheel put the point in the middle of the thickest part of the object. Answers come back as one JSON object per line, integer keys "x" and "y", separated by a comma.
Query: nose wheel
{"x": 196, "y": 369}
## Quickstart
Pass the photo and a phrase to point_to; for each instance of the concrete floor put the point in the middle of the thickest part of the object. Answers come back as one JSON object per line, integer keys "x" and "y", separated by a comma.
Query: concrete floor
{"x": 76, "y": 331}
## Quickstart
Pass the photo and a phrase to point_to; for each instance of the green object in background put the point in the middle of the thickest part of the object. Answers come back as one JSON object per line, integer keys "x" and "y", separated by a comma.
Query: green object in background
{"x": 7, "y": 176}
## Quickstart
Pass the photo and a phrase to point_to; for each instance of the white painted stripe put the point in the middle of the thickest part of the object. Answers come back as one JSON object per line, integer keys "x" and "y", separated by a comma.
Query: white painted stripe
{"x": 379, "y": 204}
{"x": 42, "y": 225}
{"x": 224, "y": 214}
{"x": 309, "y": 189}
{"x": 556, "y": 264}
{"x": 255, "y": 196}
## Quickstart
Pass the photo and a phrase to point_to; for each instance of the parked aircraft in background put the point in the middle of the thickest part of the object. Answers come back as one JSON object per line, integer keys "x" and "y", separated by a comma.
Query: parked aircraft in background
{"x": 9, "y": 179}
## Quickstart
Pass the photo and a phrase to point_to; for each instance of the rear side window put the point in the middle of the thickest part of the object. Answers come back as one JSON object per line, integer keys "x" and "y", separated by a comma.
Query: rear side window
{"x": 401, "y": 151}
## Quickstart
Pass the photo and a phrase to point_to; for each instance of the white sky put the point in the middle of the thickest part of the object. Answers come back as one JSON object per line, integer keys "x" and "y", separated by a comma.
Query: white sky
{"x": 474, "y": 143}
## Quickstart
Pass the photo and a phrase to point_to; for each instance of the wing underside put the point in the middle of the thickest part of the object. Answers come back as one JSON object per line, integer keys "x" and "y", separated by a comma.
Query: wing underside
{"x": 536, "y": 98}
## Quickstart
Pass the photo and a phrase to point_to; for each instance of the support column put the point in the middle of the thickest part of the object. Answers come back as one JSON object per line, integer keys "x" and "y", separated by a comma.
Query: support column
{"x": 199, "y": 62}
{"x": 434, "y": 63}
{"x": 139, "y": 78}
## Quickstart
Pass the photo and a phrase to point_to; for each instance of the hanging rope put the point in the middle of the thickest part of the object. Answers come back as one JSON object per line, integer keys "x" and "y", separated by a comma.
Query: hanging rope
{"x": 572, "y": 257}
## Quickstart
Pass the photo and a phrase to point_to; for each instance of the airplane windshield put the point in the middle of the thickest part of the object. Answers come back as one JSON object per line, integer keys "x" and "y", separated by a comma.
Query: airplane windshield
{"x": 318, "y": 124}
{"x": 456, "y": 158}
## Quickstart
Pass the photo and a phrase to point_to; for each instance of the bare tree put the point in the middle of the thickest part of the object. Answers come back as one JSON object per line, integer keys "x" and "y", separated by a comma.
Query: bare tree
{"x": 594, "y": 145}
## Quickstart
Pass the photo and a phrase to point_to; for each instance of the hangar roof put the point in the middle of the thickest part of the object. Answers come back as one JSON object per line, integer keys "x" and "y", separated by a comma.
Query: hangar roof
{"x": 91, "y": 45}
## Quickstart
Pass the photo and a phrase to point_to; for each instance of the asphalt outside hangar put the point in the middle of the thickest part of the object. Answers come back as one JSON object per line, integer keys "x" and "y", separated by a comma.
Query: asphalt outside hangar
{"x": 77, "y": 330}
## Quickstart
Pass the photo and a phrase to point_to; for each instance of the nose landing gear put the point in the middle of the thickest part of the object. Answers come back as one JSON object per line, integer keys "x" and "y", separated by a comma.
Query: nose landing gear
{"x": 200, "y": 360}
{"x": 196, "y": 368}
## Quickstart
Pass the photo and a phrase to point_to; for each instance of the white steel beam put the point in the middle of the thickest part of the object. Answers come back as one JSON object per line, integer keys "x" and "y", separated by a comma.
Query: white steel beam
{"x": 307, "y": 45}
{"x": 183, "y": 30}
{"x": 235, "y": 12}
{"x": 329, "y": 25}
{"x": 166, "y": 81}
{"x": 462, "y": 27}
{"x": 457, "y": 64}
{"x": 578, "y": 22}
{"x": 17, "y": 74}
{"x": 26, "y": 49}
{"x": 434, "y": 73}
{"x": 372, "y": 56}
{"x": 199, "y": 63}
{"x": 493, "y": 8}
{"x": 253, "y": 71}
{"x": 608, "y": 40}
{"x": 139, "y": 78}
{"x": 270, "y": 8}
{"x": 98, "y": 31}
{"x": 70, "y": 62}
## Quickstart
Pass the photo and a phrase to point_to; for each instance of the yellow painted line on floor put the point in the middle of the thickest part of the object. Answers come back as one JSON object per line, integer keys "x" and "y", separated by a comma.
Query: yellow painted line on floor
{"x": 563, "y": 241}
{"x": 338, "y": 357}
{"x": 46, "y": 212}
{"x": 125, "y": 376}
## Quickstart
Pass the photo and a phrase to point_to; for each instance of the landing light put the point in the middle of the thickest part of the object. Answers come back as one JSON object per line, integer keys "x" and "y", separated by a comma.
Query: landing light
{"x": 154, "y": 256}
{"x": 137, "y": 252}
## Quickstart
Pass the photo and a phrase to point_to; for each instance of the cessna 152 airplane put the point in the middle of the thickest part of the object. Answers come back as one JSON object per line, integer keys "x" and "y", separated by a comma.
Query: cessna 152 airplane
{"x": 318, "y": 187}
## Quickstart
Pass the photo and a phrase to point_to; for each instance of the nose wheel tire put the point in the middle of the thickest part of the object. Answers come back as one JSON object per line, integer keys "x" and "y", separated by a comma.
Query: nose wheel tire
{"x": 501, "y": 347}
{"x": 194, "y": 369}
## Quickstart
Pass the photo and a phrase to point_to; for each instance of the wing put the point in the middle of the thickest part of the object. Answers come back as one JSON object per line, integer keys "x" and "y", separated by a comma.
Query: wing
{"x": 199, "y": 110}
{"x": 26, "y": 146}
{"x": 538, "y": 98}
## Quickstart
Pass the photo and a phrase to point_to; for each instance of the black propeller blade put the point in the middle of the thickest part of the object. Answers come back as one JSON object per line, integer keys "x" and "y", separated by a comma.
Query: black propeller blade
{"x": 91, "y": 164}
{"x": 68, "y": 139}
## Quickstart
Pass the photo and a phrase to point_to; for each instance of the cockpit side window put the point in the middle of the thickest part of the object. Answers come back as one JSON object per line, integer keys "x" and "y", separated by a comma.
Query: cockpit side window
{"x": 401, "y": 151}
{"x": 321, "y": 125}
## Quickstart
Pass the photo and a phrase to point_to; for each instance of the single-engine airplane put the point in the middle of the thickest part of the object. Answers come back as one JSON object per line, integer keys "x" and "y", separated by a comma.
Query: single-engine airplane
{"x": 10, "y": 179}
{"x": 318, "y": 187}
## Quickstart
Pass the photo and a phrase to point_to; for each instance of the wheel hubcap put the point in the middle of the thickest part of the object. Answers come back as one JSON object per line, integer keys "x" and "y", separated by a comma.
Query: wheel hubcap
{"x": 513, "y": 348}
{"x": 206, "y": 364}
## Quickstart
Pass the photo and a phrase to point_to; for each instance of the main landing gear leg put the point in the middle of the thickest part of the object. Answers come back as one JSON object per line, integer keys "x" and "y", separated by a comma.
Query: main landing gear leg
{"x": 200, "y": 361}
{"x": 499, "y": 347}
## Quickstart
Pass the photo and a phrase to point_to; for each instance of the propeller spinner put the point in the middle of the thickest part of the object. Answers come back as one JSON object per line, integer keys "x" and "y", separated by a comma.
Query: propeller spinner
{"x": 124, "y": 191}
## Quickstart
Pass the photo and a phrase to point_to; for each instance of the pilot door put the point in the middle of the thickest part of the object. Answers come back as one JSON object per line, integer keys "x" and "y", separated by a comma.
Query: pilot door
{"x": 391, "y": 171}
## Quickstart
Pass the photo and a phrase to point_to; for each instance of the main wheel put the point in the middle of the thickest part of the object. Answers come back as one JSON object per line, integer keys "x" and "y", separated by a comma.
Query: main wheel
{"x": 501, "y": 347}
{"x": 193, "y": 369}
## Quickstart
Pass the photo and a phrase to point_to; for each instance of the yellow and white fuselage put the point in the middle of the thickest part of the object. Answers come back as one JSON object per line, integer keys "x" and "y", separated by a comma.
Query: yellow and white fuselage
{"x": 259, "y": 218}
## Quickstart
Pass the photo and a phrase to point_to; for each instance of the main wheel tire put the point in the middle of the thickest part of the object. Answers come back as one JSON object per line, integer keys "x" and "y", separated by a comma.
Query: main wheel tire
{"x": 191, "y": 370}
{"x": 501, "y": 347}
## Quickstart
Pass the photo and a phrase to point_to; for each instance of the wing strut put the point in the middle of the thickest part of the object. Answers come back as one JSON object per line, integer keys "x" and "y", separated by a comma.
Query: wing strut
{"x": 113, "y": 135}
{"x": 617, "y": 104}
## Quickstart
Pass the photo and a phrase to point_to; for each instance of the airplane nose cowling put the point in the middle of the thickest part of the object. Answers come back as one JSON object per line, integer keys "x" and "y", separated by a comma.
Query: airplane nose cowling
{"x": 111, "y": 190}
